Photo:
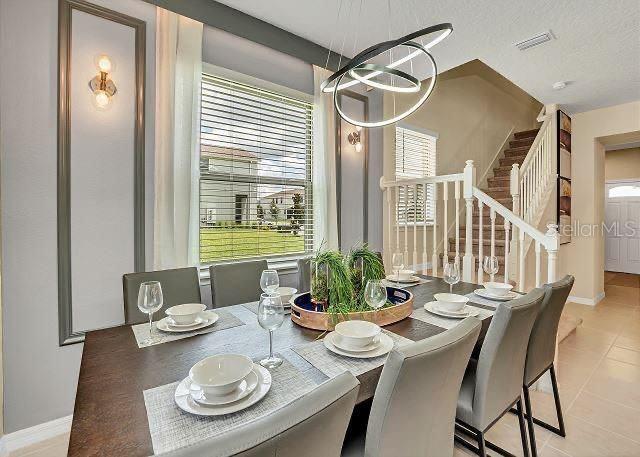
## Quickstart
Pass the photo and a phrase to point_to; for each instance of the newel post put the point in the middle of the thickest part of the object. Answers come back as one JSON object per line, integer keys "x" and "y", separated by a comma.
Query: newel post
{"x": 469, "y": 184}
{"x": 552, "y": 251}
{"x": 514, "y": 187}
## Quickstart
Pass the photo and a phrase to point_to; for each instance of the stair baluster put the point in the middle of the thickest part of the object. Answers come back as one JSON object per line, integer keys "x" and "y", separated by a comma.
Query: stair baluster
{"x": 434, "y": 257}
{"x": 492, "y": 215}
{"x": 457, "y": 216}
{"x": 445, "y": 227}
{"x": 405, "y": 206}
{"x": 506, "y": 251}
{"x": 480, "y": 243}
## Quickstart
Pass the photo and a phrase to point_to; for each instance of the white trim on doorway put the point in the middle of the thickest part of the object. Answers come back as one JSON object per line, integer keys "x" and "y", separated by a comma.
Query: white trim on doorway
{"x": 33, "y": 435}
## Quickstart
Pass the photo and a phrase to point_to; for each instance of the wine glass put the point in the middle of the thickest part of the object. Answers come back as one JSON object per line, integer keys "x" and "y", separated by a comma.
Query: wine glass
{"x": 375, "y": 294}
{"x": 270, "y": 317}
{"x": 149, "y": 301}
{"x": 269, "y": 281}
{"x": 397, "y": 262}
{"x": 490, "y": 265}
{"x": 451, "y": 275}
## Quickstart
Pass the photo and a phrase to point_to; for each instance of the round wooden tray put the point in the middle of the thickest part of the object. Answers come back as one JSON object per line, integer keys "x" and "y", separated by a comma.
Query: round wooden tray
{"x": 303, "y": 311}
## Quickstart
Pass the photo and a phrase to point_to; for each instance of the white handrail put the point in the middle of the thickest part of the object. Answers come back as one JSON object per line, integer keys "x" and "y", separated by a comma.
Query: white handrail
{"x": 549, "y": 242}
{"x": 426, "y": 180}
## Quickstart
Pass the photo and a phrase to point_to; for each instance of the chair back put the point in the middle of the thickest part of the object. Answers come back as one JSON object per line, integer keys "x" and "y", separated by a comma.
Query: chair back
{"x": 304, "y": 275}
{"x": 235, "y": 283}
{"x": 501, "y": 361}
{"x": 414, "y": 407}
{"x": 314, "y": 425}
{"x": 542, "y": 343}
{"x": 180, "y": 285}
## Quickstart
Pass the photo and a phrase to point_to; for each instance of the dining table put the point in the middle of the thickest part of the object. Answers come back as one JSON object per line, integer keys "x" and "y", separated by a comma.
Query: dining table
{"x": 118, "y": 377}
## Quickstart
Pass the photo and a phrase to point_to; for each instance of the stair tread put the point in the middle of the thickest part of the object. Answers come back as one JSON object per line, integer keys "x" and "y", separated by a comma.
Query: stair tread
{"x": 526, "y": 133}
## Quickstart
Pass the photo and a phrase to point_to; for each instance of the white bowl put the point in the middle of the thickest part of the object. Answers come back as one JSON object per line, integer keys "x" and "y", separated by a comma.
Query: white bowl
{"x": 451, "y": 302}
{"x": 221, "y": 374}
{"x": 357, "y": 334}
{"x": 286, "y": 293}
{"x": 498, "y": 289}
{"x": 185, "y": 314}
{"x": 404, "y": 275}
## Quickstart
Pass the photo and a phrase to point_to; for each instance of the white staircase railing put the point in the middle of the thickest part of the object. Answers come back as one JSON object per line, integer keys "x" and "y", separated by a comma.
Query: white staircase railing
{"x": 401, "y": 231}
{"x": 531, "y": 181}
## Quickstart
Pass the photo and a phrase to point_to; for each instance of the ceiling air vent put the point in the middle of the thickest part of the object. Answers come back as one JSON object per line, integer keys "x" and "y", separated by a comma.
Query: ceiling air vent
{"x": 534, "y": 41}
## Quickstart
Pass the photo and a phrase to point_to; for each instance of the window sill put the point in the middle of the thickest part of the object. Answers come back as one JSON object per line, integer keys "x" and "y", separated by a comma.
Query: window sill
{"x": 282, "y": 265}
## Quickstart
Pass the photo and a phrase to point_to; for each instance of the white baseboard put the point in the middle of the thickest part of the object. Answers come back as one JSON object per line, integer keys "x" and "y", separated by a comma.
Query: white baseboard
{"x": 586, "y": 301}
{"x": 33, "y": 435}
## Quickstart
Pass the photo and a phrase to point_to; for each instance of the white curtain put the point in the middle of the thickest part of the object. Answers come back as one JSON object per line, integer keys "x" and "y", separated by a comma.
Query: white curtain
{"x": 325, "y": 215}
{"x": 177, "y": 138}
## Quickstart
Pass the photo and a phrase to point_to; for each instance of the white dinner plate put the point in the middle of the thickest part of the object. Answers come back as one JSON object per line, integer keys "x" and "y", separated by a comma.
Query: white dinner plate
{"x": 247, "y": 386}
{"x": 197, "y": 321}
{"x": 339, "y": 343}
{"x": 185, "y": 402}
{"x": 409, "y": 280}
{"x": 384, "y": 346}
{"x": 433, "y": 308}
{"x": 209, "y": 318}
{"x": 484, "y": 293}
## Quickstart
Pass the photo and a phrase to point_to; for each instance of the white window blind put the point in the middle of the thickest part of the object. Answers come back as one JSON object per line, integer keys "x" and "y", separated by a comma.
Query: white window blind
{"x": 415, "y": 158}
{"x": 255, "y": 173}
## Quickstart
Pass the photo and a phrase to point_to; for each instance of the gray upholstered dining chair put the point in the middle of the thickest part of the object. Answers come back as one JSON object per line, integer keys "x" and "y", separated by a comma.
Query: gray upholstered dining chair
{"x": 304, "y": 275}
{"x": 414, "y": 406}
{"x": 541, "y": 353}
{"x": 180, "y": 285}
{"x": 235, "y": 283}
{"x": 313, "y": 425}
{"x": 493, "y": 383}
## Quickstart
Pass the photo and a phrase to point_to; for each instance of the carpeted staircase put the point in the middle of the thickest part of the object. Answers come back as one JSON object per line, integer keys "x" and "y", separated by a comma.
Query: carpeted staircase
{"x": 498, "y": 188}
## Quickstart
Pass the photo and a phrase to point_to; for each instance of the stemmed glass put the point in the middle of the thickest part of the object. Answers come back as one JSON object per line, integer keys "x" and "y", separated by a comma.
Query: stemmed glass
{"x": 375, "y": 294}
{"x": 149, "y": 301}
{"x": 397, "y": 262}
{"x": 490, "y": 265}
{"x": 269, "y": 281}
{"x": 270, "y": 317}
{"x": 451, "y": 275}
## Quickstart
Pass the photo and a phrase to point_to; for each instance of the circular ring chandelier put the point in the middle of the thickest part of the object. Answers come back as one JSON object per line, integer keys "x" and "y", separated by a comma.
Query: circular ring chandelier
{"x": 362, "y": 71}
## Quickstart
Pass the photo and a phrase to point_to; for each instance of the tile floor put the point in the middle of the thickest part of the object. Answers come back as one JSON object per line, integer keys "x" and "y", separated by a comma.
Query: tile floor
{"x": 599, "y": 378}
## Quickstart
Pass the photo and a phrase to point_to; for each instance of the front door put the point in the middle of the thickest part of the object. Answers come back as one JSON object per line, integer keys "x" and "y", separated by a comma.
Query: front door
{"x": 622, "y": 226}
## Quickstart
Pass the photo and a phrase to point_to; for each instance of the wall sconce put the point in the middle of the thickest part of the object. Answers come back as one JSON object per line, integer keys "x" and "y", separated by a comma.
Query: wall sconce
{"x": 102, "y": 87}
{"x": 354, "y": 139}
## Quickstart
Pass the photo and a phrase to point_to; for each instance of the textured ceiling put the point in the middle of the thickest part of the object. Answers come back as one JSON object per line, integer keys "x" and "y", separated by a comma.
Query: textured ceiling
{"x": 597, "y": 45}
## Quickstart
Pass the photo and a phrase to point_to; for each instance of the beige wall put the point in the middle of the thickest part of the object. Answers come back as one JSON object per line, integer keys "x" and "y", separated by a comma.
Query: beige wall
{"x": 622, "y": 164}
{"x": 472, "y": 109}
{"x": 591, "y": 130}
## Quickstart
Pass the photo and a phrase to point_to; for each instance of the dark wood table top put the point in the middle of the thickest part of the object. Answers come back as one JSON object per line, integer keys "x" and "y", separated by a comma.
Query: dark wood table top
{"x": 110, "y": 417}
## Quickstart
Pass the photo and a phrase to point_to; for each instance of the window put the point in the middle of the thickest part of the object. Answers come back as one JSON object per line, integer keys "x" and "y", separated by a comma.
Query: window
{"x": 255, "y": 173}
{"x": 415, "y": 158}
{"x": 624, "y": 191}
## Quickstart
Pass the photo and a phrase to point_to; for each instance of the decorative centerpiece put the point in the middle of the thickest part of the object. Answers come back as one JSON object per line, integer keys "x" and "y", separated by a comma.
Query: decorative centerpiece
{"x": 337, "y": 291}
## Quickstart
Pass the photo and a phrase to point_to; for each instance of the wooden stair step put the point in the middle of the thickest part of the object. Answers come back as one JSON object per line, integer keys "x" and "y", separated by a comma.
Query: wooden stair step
{"x": 508, "y": 161}
{"x": 502, "y": 171}
{"x": 516, "y": 151}
{"x": 517, "y": 143}
{"x": 486, "y": 250}
{"x": 526, "y": 134}
{"x": 485, "y": 242}
{"x": 499, "y": 181}
{"x": 498, "y": 192}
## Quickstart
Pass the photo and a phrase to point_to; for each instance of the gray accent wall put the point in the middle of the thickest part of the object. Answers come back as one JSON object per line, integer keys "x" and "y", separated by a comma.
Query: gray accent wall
{"x": 40, "y": 377}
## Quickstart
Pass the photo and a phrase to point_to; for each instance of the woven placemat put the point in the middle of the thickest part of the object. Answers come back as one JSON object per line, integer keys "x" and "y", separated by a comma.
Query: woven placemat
{"x": 171, "y": 428}
{"x": 332, "y": 364}
{"x": 477, "y": 300}
{"x": 141, "y": 331}
{"x": 253, "y": 307}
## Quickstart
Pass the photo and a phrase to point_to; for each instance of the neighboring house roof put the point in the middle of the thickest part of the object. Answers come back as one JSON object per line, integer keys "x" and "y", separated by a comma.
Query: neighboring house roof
{"x": 219, "y": 152}
{"x": 288, "y": 193}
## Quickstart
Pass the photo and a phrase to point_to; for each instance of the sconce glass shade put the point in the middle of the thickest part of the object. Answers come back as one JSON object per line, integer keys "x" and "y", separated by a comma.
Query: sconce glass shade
{"x": 358, "y": 147}
{"x": 102, "y": 99}
{"x": 104, "y": 64}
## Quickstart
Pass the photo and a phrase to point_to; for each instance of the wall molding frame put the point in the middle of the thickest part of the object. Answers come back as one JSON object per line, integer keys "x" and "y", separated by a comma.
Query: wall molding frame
{"x": 365, "y": 181}
{"x": 65, "y": 8}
